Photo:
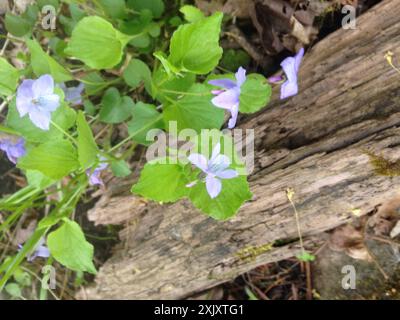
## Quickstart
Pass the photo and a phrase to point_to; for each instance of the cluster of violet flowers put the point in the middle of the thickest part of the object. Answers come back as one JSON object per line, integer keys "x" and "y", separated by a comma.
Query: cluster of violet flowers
{"x": 228, "y": 98}
{"x": 37, "y": 100}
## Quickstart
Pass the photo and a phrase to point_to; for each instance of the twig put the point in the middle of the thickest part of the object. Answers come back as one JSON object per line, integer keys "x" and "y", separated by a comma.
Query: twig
{"x": 309, "y": 282}
{"x": 259, "y": 292}
{"x": 295, "y": 292}
{"x": 365, "y": 235}
{"x": 385, "y": 240}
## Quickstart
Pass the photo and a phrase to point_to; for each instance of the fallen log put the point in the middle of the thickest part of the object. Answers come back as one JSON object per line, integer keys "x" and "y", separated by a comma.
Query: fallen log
{"x": 315, "y": 143}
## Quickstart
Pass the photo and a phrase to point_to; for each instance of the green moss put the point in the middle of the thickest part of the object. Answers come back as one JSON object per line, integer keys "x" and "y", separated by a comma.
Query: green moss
{"x": 382, "y": 166}
{"x": 250, "y": 253}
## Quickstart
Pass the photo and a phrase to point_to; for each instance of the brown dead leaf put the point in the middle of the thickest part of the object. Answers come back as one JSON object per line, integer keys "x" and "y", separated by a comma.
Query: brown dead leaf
{"x": 349, "y": 239}
{"x": 210, "y": 6}
{"x": 271, "y": 19}
{"x": 384, "y": 221}
{"x": 299, "y": 31}
{"x": 235, "y": 8}
{"x": 395, "y": 231}
{"x": 282, "y": 25}
{"x": 23, "y": 234}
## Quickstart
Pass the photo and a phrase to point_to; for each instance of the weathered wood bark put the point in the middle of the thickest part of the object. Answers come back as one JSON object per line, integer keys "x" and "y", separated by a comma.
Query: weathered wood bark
{"x": 314, "y": 143}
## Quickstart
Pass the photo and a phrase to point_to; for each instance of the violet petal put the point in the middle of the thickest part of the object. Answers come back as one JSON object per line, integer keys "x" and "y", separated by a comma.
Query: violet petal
{"x": 226, "y": 100}
{"x": 213, "y": 186}
{"x": 199, "y": 161}
{"x": 223, "y": 83}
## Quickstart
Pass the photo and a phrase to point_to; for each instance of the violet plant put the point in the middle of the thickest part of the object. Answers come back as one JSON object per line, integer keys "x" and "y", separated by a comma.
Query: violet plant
{"x": 107, "y": 68}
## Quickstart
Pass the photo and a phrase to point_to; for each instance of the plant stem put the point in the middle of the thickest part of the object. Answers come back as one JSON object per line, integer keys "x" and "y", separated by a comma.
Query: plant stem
{"x": 290, "y": 194}
{"x": 135, "y": 133}
{"x": 185, "y": 93}
{"x": 64, "y": 132}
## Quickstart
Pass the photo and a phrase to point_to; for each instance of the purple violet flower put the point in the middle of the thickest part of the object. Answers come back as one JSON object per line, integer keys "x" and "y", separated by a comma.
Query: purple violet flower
{"x": 94, "y": 175}
{"x": 37, "y": 98}
{"x": 275, "y": 79}
{"x": 13, "y": 150}
{"x": 40, "y": 251}
{"x": 215, "y": 169}
{"x": 73, "y": 95}
{"x": 229, "y": 97}
{"x": 291, "y": 66}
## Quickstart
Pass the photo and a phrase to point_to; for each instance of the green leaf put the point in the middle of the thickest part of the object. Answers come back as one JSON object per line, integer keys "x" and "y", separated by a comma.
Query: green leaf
{"x": 54, "y": 3}
{"x": 17, "y": 25}
{"x": 87, "y": 147}
{"x": 195, "y": 110}
{"x": 89, "y": 107}
{"x": 168, "y": 66}
{"x": 55, "y": 159}
{"x": 141, "y": 27}
{"x": 93, "y": 83}
{"x": 69, "y": 247}
{"x": 8, "y": 130}
{"x": 162, "y": 83}
{"x": 97, "y": 43}
{"x": 255, "y": 94}
{"x": 21, "y": 25}
{"x": 175, "y": 21}
{"x": 76, "y": 15}
{"x": 116, "y": 9}
{"x": 13, "y": 290}
{"x": 162, "y": 182}
{"x": 233, "y": 59}
{"x": 141, "y": 41}
{"x": 64, "y": 117}
{"x": 9, "y": 77}
{"x": 145, "y": 117}
{"x": 136, "y": 73}
{"x": 154, "y": 30}
{"x": 250, "y": 294}
{"x": 191, "y": 13}
{"x": 76, "y": 12}
{"x": 9, "y": 267}
{"x": 57, "y": 46}
{"x": 114, "y": 108}
{"x": 195, "y": 46}
{"x": 38, "y": 180}
{"x": 306, "y": 257}
{"x": 233, "y": 194}
{"x": 31, "y": 14}
{"x": 120, "y": 169}
{"x": 22, "y": 277}
{"x": 157, "y": 7}
{"x": 42, "y": 63}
